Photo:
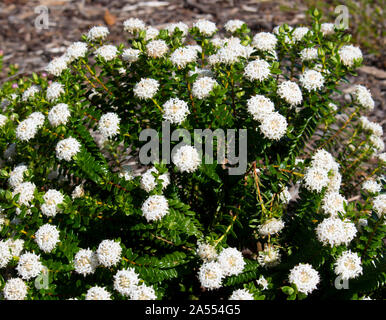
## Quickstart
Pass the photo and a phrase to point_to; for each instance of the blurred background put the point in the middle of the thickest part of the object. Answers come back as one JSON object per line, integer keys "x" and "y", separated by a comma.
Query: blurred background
{"x": 32, "y": 32}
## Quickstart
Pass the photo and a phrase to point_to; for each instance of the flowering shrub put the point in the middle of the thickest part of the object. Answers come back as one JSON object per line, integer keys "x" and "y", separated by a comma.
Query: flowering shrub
{"x": 83, "y": 214}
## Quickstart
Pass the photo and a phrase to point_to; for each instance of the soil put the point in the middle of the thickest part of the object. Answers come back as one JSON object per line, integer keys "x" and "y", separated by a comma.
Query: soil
{"x": 31, "y": 48}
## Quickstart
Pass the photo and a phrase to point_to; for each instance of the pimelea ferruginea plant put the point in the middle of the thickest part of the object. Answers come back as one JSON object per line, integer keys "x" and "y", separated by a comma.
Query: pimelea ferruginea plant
{"x": 82, "y": 211}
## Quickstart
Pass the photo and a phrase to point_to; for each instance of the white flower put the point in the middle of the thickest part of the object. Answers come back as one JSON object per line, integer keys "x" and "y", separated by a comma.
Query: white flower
{"x": 322, "y": 160}
{"x": 97, "y": 33}
{"x": 363, "y": 96}
{"x": 3, "y": 120}
{"x": 97, "y": 293}
{"x": 15, "y": 246}
{"x": 382, "y": 157}
{"x": 348, "y": 265}
{"x": 262, "y": 282}
{"x": 131, "y": 55}
{"x": 379, "y": 205}
{"x": 372, "y": 186}
{"x": 57, "y": 66}
{"x": 85, "y": 262}
{"x": 134, "y": 26}
{"x": 175, "y": 110}
{"x": 29, "y": 266}
{"x": 211, "y": 275}
{"x": 108, "y": 52}
{"x": 30, "y": 92}
{"x": 52, "y": 198}
{"x": 47, "y": 237}
{"x": 260, "y": 107}
{"x": 233, "y": 51}
{"x": 274, "y": 126}
{"x": 327, "y": 28}
{"x": 304, "y": 277}
{"x": 315, "y": 179}
{"x": 308, "y": 54}
{"x": 241, "y": 294}
{"x": 75, "y": 51}
{"x": 151, "y": 33}
{"x": 2, "y": 220}
{"x": 5, "y": 254}
{"x": 108, "y": 125}
{"x": 143, "y": 292}
{"x": 264, "y": 41}
{"x": 155, "y": 207}
{"x": 59, "y": 114}
{"x": 171, "y": 28}
{"x": 26, "y": 192}
{"x": 16, "y": 176}
{"x": 183, "y": 55}
{"x": 126, "y": 174}
{"x": 203, "y": 86}
{"x": 233, "y": 25}
{"x": 285, "y": 196}
{"x": 290, "y": 92}
{"x": 149, "y": 182}
{"x": 15, "y": 289}
{"x": 67, "y": 148}
{"x": 186, "y": 159}
{"x": 377, "y": 143}
{"x": 126, "y": 281}
{"x": 271, "y": 226}
{"x": 26, "y": 129}
{"x": 146, "y": 88}
{"x": 349, "y": 55}
{"x": 333, "y": 203}
{"x": 334, "y": 232}
{"x": 257, "y": 70}
{"x": 109, "y": 253}
{"x": 231, "y": 261}
{"x": 206, "y": 252}
{"x": 205, "y": 27}
{"x": 311, "y": 80}
{"x": 157, "y": 48}
{"x": 299, "y": 33}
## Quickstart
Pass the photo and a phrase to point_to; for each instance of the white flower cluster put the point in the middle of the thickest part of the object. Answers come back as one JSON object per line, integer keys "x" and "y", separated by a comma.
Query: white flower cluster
{"x": 47, "y": 237}
{"x": 67, "y": 148}
{"x": 28, "y": 128}
{"x": 229, "y": 262}
{"x": 98, "y": 33}
{"x": 182, "y": 56}
{"x": 109, "y": 253}
{"x": 348, "y": 265}
{"x": 54, "y": 90}
{"x": 363, "y": 96}
{"x": 290, "y": 92}
{"x": 186, "y": 159}
{"x": 379, "y": 205}
{"x": 257, "y": 70}
{"x": 57, "y": 66}
{"x": 3, "y": 120}
{"x": 241, "y": 294}
{"x": 26, "y": 191}
{"x": 5, "y": 254}
{"x": 85, "y": 262}
{"x": 30, "y": 92}
{"x": 15, "y": 246}
{"x": 304, "y": 277}
{"x": 131, "y": 55}
{"x": 52, "y": 198}
{"x": 108, "y": 125}
{"x": 269, "y": 257}
{"x": 16, "y": 176}
{"x": 205, "y": 27}
{"x": 59, "y": 114}
{"x": 75, "y": 51}
{"x": 333, "y": 203}
{"x": 233, "y": 25}
{"x": 264, "y": 41}
{"x": 29, "y": 266}
{"x": 285, "y": 196}
{"x": 149, "y": 181}
{"x": 107, "y": 52}
{"x": 334, "y": 232}
{"x": 133, "y": 26}
{"x": 206, "y": 251}
{"x": 349, "y": 55}
{"x": 309, "y": 54}
{"x": 175, "y": 110}
{"x": 146, "y": 88}
{"x": 270, "y": 227}
{"x": 157, "y": 49}
{"x": 203, "y": 86}
{"x": 311, "y": 80}
{"x": 155, "y": 207}
{"x": 372, "y": 186}
{"x": 15, "y": 289}
{"x": 97, "y": 293}
{"x": 317, "y": 175}
{"x": 172, "y": 27}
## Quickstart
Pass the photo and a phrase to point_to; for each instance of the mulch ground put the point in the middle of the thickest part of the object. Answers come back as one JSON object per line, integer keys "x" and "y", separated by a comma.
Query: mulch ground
{"x": 32, "y": 48}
